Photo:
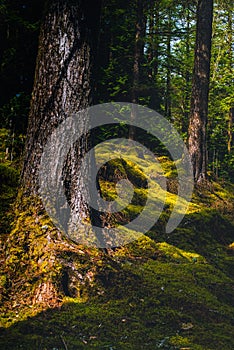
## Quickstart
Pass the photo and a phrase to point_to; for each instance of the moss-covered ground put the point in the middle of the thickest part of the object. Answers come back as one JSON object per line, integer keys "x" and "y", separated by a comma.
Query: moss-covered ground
{"x": 163, "y": 291}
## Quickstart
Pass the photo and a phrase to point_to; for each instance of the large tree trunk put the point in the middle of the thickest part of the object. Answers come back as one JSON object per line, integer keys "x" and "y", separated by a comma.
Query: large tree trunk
{"x": 200, "y": 90}
{"x": 63, "y": 86}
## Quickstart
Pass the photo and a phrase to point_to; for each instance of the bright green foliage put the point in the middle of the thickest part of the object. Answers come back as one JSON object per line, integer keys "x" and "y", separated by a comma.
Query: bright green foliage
{"x": 221, "y": 90}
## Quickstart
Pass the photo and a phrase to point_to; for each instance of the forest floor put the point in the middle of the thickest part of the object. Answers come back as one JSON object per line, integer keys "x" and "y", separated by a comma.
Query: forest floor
{"x": 163, "y": 291}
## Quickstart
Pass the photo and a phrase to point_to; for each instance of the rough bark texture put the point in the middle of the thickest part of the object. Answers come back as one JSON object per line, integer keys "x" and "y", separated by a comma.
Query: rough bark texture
{"x": 200, "y": 90}
{"x": 62, "y": 79}
{"x": 62, "y": 87}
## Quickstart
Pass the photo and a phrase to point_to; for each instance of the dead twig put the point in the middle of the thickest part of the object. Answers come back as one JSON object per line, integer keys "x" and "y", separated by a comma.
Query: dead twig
{"x": 65, "y": 345}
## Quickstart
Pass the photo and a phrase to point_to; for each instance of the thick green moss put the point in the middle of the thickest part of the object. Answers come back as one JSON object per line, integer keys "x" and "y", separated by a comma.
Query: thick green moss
{"x": 162, "y": 291}
{"x": 143, "y": 305}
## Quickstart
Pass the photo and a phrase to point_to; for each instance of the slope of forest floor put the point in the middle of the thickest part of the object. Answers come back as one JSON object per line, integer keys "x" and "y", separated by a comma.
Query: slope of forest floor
{"x": 163, "y": 291}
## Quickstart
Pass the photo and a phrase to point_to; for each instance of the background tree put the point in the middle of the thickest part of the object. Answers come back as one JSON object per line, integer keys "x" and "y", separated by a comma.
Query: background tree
{"x": 200, "y": 89}
{"x": 138, "y": 58}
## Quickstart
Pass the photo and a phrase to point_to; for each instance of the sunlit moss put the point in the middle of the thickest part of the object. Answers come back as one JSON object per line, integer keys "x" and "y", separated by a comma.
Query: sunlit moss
{"x": 169, "y": 291}
{"x": 177, "y": 254}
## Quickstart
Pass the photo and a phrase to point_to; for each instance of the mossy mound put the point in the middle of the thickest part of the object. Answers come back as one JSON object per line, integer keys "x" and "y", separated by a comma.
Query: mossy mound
{"x": 162, "y": 291}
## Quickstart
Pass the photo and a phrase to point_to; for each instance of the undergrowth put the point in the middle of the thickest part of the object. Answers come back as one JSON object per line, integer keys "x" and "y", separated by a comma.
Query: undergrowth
{"x": 163, "y": 291}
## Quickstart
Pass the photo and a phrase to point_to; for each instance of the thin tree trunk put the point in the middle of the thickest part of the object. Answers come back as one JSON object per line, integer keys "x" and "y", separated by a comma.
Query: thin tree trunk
{"x": 153, "y": 53}
{"x": 168, "y": 75}
{"x": 154, "y": 42}
{"x": 230, "y": 129}
{"x": 185, "y": 122}
{"x": 138, "y": 58}
{"x": 200, "y": 90}
{"x": 230, "y": 54}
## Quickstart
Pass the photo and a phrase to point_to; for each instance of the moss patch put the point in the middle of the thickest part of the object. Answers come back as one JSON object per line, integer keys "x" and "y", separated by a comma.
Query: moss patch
{"x": 162, "y": 291}
{"x": 149, "y": 304}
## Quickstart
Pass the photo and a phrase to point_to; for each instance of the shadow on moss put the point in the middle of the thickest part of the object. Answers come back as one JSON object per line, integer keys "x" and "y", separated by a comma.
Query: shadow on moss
{"x": 166, "y": 301}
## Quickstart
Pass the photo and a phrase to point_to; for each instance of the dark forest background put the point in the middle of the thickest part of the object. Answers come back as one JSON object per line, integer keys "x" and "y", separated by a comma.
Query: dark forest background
{"x": 166, "y": 49}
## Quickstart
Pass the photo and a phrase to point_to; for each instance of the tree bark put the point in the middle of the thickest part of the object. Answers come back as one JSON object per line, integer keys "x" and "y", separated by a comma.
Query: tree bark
{"x": 62, "y": 83}
{"x": 63, "y": 86}
{"x": 200, "y": 90}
